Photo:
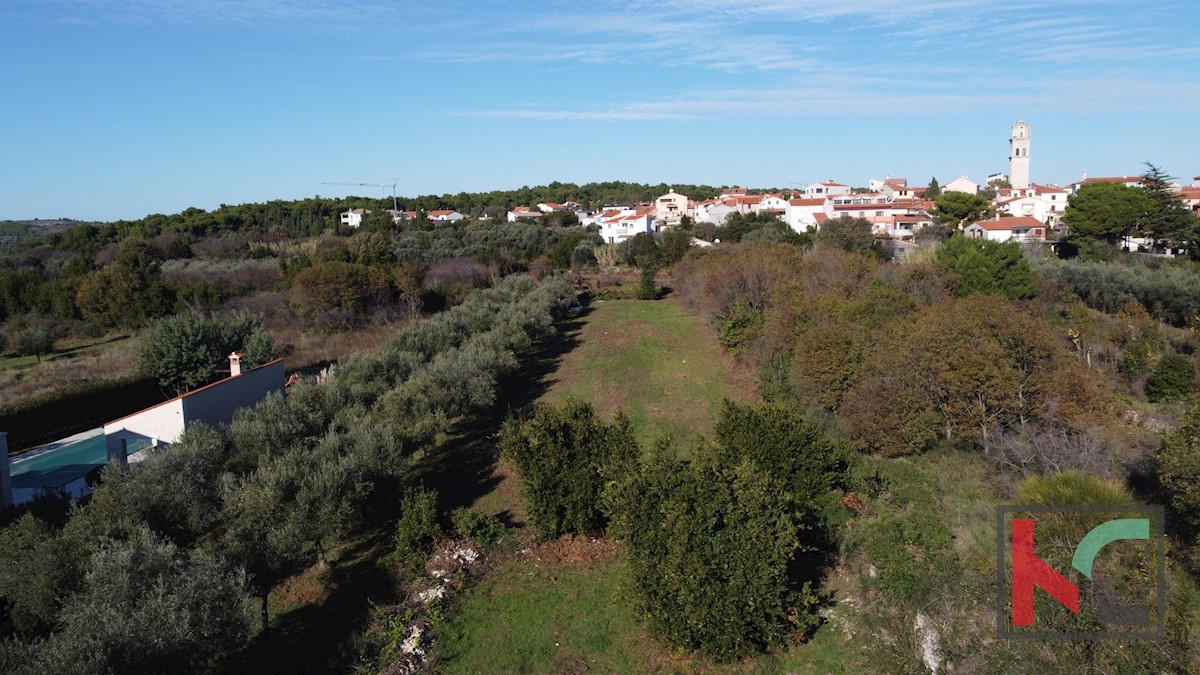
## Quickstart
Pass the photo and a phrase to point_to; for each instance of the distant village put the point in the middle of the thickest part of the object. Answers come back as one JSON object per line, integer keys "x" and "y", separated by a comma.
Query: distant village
{"x": 1022, "y": 211}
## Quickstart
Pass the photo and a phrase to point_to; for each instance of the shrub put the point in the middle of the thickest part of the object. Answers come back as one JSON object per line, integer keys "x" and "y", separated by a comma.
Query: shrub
{"x": 1178, "y": 460}
{"x": 716, "y": 545}
{"x": 188, "y": 350}
{"x": 564, "y": 455}
{"x": 647, "y": 288}
{"x": 1171, "y": 380}
{"x": 484, "y": 530}
{"x": 709, "y": 547}
{"x": 417, "y": 529}
{"x": 913, "y": 553}
{"x": 740, "y": 325}
{"x": 34, "y": 340}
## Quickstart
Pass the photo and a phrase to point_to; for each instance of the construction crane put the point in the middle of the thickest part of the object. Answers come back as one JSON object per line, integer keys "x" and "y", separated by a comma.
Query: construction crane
{"x": 392, "y": 185}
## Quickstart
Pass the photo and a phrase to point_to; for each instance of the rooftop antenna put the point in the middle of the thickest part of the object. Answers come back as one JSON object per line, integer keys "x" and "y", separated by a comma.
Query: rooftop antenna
{"x": 392, "y": 185}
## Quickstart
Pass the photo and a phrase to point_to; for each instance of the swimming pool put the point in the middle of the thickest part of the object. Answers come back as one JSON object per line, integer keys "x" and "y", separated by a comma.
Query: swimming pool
{"x": 57, "y": 467}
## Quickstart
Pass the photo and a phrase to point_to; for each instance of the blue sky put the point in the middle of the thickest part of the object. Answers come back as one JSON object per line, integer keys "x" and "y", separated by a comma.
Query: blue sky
{"x": 119, "y": 108}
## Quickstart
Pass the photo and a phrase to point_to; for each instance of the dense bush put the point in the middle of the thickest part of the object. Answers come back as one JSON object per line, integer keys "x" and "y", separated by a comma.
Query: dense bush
{"x": 486, "y": 531}
{"x": 564, "y": 456}
{"x": 417, "y": 529}
{"x": 740, "y": 325}
{"x": 724, "y": 550}
{"x": 1171, "y": 380}
{"x": 974, "y": 366}
{"x": 647, "y": 288}
{"x": 712, "y": 280}
{"x": 128, "y": 293}
{"x": 709, "y": 548}
{"x": 187, "y": 351}
{"x": 985, "y": 266}
{"x": 1178, "y": 460}
{"x": 335, "y": 293}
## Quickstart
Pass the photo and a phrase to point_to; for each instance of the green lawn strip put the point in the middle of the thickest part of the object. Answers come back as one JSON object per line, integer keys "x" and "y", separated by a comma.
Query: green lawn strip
{"x": 535, "y": 617}
{"x": 66, "y": 348}
{"x": 653, "y": 361}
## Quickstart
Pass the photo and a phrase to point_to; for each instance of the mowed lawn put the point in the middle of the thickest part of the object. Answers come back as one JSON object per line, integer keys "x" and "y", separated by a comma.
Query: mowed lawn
{"x": 660, "y": 365}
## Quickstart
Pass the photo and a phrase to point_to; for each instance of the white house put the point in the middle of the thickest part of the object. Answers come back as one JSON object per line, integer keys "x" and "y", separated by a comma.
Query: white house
{"x": 670, "y": 208}
{"x": 618, "y": 226}
{"x": 1046, "y": 203}
{"x": 213, "y": 404}
{"x": 353, "y": 217}
{"x": 773, "y": 204}
{"x": 445, "y": 216}
{"x": 1019, "y": 229}
{"x": 801, "y": 214}
{"x": 962, "y": 184}
{"x": 717, "y": 213}
{"x": 522, "y": 213}
{"x": 826, "y": 189}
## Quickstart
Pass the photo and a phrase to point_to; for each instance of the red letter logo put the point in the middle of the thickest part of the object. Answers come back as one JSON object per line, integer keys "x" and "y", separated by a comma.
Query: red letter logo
{"x": 1028, "y": 571}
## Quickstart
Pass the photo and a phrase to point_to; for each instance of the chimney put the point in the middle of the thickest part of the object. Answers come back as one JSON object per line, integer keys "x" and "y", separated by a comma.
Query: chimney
{"x": 235, "y": 364}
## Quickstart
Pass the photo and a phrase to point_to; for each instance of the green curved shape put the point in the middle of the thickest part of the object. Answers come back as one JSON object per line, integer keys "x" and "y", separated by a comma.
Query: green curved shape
{"x": 1104, "y": 534}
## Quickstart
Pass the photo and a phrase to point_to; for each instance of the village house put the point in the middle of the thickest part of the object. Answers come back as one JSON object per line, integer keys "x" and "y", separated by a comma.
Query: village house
{"x": 670, "y": 208}
{"x": 214, "y": 404}
{"x": 523, "y": 213}
{"x": 962, "y": 184}
{"x": 353, "y": 217}
{"x": 1021, "y": 229}
{"x": 617, "y": 225}
{"x": 802, "y": 214}
{"x": 445, "y": 216}
{"x": 826, "y": 189}
{"x": 1046, "y": 203}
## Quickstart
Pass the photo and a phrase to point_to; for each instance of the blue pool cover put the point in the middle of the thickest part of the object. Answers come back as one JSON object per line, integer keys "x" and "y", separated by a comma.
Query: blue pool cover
{"x": 55, "y": 468}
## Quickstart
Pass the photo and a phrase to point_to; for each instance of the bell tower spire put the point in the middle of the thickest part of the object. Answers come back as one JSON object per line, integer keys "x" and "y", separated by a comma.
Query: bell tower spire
{"x": 1018, "y": 155}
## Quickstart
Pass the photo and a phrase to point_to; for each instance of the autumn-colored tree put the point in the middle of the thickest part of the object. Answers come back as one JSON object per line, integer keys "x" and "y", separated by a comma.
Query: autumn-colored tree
{"x": 966, "y": 368}
{"x": 128, "y": 292}
{"x": 338, "y": 287}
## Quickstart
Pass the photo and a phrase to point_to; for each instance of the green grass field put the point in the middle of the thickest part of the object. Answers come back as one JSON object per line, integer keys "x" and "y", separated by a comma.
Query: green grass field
{"x": 654, "y": 361}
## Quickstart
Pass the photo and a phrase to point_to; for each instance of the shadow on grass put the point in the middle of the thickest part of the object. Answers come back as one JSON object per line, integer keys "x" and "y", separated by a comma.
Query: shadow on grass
{"x": 315, "y": 638}
{"x": 463, "y": 467}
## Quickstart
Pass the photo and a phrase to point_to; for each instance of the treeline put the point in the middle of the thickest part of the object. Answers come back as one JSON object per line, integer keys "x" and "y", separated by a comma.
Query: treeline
{"x": 153, "y": 574}
{"x": 317, "y": 215}
{"x": 841, "y": 332}
{"x": 1169, "y": 291}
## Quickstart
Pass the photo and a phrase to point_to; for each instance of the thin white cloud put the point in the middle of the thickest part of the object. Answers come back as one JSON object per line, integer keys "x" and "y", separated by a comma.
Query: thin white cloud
{"x": 1083, "y": 95}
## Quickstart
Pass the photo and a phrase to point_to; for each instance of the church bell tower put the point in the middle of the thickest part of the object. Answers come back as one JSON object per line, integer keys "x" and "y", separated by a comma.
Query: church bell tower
{"x": 1018, "y": 155}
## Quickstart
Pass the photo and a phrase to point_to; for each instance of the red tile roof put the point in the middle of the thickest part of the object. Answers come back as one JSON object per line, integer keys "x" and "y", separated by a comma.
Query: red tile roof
{"x": 1009, "y": 223}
